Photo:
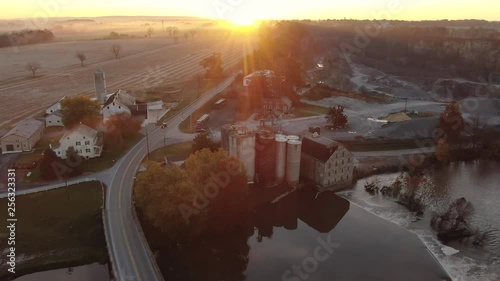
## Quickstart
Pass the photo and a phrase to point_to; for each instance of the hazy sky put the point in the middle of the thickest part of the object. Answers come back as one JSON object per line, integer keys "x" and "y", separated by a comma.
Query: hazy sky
{"x": 257, "y": 9}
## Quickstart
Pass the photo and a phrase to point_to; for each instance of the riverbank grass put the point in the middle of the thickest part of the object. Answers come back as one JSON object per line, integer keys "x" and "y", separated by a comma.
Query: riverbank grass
{"x": 57, "y": 229}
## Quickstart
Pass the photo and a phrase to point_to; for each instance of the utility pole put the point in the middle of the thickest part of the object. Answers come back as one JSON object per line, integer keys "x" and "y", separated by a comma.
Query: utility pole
{"x": 147, "y": 142}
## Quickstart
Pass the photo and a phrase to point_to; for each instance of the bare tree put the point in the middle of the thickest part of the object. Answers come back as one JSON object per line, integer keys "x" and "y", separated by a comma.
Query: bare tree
{"x": 115, "y": 49}
{"x": 33, "y": 66}
{"x": 150, "y": 31}
{"x": 81, "y": 56}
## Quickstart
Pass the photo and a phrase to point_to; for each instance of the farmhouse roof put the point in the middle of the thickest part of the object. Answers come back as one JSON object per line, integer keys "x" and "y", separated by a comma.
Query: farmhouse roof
{"x": 25, "y": 128}
{"x": 319, "y": 147}
{"x": 122, "y": 97}
{"x": 81, "y": 129}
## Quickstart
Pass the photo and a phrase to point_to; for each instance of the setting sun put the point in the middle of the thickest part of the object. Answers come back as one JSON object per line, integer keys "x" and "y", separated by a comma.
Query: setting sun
{"x": 243, "y": 21}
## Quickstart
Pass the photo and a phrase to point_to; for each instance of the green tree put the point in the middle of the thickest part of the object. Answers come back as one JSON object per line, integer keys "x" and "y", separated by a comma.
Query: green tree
{"x": 47, "y": 165}
{"x": 452, "y": 122}
{"x": 336, "y": 118}
{"x": 213, "y": 66}
{"x": 80, "y": 109}
{"x": 202, "y": 141}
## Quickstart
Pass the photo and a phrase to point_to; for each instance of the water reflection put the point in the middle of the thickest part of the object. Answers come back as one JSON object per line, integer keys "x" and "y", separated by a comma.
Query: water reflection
{"x": 91, "y": 272}
{"x": 283, "y": 237}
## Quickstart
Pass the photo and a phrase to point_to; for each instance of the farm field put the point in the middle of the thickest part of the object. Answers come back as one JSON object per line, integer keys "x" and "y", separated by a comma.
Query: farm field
{"x": 143, "y": 64}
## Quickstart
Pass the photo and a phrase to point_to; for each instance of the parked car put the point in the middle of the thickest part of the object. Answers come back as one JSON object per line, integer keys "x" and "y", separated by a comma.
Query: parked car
{"x": 163, "y": 125}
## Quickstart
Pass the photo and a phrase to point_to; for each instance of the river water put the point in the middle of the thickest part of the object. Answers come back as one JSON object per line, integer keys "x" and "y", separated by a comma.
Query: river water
{"x": 479, "y": 183}
{"x": 91, "y": 272}
{"x": 305, "y": 236}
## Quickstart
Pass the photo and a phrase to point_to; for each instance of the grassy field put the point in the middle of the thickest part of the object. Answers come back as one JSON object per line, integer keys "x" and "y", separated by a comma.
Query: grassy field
{"x": 56, "y": 229}
{"x": 307, "y": 110}
{"x": 109, "y": 157}
{"x": 106, "y": 161}
{"x": 174, "y": 150}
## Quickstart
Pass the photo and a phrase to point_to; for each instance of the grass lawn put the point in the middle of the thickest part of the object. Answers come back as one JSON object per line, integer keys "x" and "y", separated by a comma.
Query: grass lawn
{"x": 174, "y": 150}
{"x": 106, "y": 161}
{"x": 109, "y": 157}
{"x": 57, "y": 229}
{"x": 307, "y": 110}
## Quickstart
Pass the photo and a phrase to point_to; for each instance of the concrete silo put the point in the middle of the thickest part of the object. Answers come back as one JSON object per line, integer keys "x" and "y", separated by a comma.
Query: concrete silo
{"x": 292, "y": 137}
{"x": 242, "y": 147}
{"x": 280, "y": 158}
{"x": 266, "y": 158}
{"x": 100, "y": 86}
{"x": 293, "y": 162}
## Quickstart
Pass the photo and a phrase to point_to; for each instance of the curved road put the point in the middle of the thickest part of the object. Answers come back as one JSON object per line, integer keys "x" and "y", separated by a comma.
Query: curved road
{"x": 129, "y": 252}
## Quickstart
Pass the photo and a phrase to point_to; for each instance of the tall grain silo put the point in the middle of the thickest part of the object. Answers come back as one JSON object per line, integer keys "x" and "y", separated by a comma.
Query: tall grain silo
{"x": 281, "y": 143}
{"x": 266, "y": 158}
{"x": 242, "y": 147}
{"x": 293, "y": 162}
{"x": 100, "y": 86}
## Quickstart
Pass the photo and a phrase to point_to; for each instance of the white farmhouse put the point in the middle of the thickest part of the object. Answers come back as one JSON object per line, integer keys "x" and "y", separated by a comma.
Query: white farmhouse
{"x": 54, "y": 119}
{"x": 87, "y": 142}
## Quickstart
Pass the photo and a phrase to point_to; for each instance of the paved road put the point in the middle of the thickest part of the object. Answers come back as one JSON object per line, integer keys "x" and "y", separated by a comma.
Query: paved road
{"x": 130, "y": 254}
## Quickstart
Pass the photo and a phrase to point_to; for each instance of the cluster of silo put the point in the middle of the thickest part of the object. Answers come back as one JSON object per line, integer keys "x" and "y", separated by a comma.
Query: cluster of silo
{"x": 241, "y": 145}
{"x": 266, "y": 158}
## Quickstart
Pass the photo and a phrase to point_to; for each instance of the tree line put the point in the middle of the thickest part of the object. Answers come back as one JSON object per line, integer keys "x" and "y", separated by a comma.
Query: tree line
{"x": 26, "y": 37}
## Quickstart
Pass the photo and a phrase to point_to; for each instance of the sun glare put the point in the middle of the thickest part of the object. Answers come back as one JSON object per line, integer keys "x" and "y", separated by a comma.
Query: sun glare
{"x": 243, "y": 21}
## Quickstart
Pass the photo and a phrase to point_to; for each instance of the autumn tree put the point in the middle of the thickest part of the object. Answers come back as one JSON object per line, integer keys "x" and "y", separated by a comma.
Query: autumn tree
{"x": 202, "y": 141}
{"x": 160, "y": 192}
{"x": 115, "y": 50}
{"x": 80, "y": 109}
{"x": 213, "y": 66}
{"x": 33, "y": 66}
{"x": 81, "y": 56}
{"x": 452, "y": 122}
{"x": 336, "y": 118}
{"x": 127, "y": 125}
{"x": 208, "y": 196}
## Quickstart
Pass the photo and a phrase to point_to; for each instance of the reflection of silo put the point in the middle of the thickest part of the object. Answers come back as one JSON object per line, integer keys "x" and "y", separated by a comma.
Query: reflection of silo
{"x": 100, "y": 86}
{"x": 266, "y": 159}
{"x": 242, "y": 146}
{"x": 280, "y": 159}
{"x": 293, "y": 162}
